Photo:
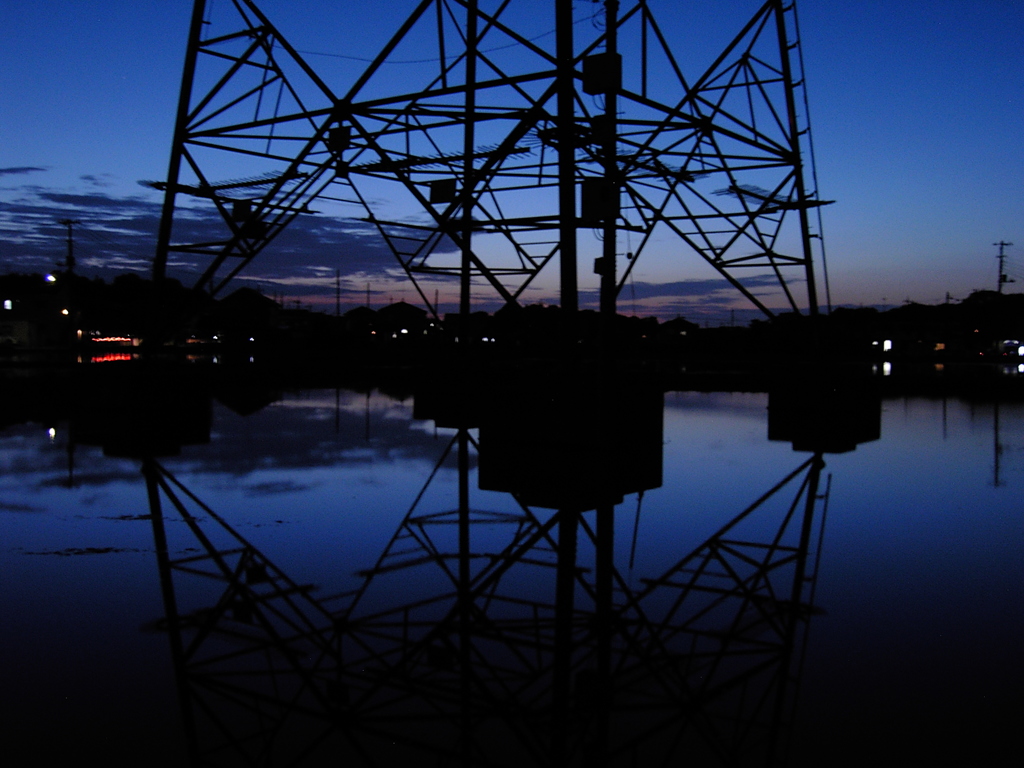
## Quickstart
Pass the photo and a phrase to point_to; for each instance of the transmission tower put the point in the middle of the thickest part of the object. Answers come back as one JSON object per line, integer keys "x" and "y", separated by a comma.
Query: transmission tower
{"x": 482, "y": 164}
{"x": 487, "y": 638}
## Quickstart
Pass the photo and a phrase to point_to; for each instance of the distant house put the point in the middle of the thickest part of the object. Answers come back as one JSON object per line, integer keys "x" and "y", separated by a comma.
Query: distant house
{"x": 401, "y": 319}
{"x": 637, "y": 330}
{"x": 533, "y": 326}
{"x": 675, "y": 330}
{"x": 243, "y": 314}
{"x": 249, "y": 307}
{"x": 360, "y": 322}
{"x": 480, "y": 327}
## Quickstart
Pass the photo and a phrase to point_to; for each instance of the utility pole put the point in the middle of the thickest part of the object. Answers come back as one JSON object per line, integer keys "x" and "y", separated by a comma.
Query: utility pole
{"x": 69, "y": 282}
{"x": 70, "y": 262}
{"x": 1003, "y": 278}
{"x": 337, "y": 293}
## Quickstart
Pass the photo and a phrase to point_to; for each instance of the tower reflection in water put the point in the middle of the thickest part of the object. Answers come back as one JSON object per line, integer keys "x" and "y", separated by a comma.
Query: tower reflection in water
{"x": 481, "y": 637}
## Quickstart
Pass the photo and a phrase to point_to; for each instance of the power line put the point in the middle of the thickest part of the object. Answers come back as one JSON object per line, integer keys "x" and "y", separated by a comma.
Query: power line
{"x": 433, "y": 60}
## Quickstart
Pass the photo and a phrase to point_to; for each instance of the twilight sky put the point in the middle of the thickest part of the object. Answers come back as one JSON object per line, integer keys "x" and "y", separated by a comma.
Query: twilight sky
{"x": 917, "y": 108}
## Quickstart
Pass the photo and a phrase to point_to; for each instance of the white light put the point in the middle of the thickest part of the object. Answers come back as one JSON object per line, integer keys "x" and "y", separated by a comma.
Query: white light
{"x": 251, "y": 339}
{"x": 404, "y": 330}
{"x": 1020, "y": 368}
{"x": 51, "y": 279}
{"x": 52, "y": 433}
{"x": 1020, "y": 351}
{"x": 8, "y": 304}
{"x": 64, "y": 312}
{"x": 887, "y": 345}
{"x": 886, "y": 369}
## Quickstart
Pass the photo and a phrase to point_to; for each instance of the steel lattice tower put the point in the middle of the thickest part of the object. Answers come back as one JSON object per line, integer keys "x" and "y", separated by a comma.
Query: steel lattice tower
{"x": 483, "y": 164}
{"x": 453, "y": 653}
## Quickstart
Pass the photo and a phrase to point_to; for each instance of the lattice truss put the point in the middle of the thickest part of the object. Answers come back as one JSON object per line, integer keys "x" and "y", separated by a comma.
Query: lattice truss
{"x": 460, "y": 153}
{"x": 450, "y": 647}
{"x": 254, "y": 654}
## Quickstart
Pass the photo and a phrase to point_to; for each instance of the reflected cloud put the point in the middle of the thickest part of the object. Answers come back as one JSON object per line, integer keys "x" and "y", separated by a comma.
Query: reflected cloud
{"x": 322, "y": 428}
{"x": 122, "y": 474}
{"x": 276, "y": 488}
{"x": 750, "y": 404}
{"x": 86, "y": 551}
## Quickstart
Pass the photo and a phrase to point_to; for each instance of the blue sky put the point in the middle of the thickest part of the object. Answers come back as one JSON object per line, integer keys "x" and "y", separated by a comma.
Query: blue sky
{"x": 917, "y": 109}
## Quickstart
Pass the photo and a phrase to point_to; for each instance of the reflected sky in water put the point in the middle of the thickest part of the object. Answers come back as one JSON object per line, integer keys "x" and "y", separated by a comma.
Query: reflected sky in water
{"x": 920, "y": 579}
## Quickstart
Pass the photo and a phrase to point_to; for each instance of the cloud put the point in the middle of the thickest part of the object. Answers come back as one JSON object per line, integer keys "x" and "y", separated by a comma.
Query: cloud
{"x": 703, "y": 288}
{"x": 19, "y": 170}
{"x": 98, "y": 181}
{"x": 712, "y": 299}
{"x": 13, "y": 507}
{"x": 115, "y": 234}
{"x": 96, "y": 202}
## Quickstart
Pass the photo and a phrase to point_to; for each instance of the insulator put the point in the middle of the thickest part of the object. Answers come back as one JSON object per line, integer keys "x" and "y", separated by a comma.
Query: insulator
{"x": 339, "y": 138}
{"x": 240, "y": 210}
{"x": 602, "y": 129}
{"x": 254, "y": 230}
{"x": 602, "y": 73}
{"x": 599, "y": 201}
{"x": 443, "y": 191}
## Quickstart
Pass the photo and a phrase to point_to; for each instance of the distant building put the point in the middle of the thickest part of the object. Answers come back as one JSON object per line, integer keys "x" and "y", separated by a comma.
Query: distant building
{"x": 401, "y": 319}
{"x": 360, "y": 323}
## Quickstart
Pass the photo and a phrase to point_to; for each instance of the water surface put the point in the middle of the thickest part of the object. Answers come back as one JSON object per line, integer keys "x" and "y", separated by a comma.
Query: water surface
{"x": 912, "y": 654}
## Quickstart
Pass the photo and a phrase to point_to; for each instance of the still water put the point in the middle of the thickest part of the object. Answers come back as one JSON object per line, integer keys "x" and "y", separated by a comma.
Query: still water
{"x": 311, "y": 603}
